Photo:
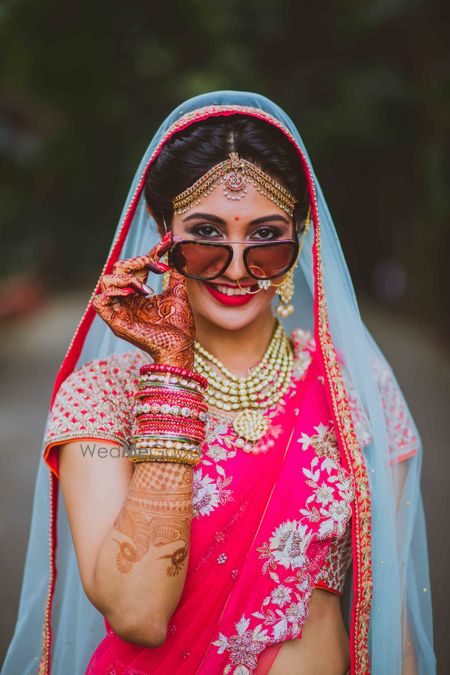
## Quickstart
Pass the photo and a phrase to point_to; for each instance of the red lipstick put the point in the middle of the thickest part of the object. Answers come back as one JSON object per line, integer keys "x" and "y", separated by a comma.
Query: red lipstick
{"x": 228, "y": 300}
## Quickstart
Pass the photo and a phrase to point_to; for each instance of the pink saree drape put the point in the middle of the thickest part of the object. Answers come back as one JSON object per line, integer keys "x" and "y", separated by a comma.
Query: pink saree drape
{"x": 263, "y": 525}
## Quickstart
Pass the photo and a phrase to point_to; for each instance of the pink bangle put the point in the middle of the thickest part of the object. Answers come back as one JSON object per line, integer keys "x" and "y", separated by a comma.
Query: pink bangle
{"x": 175, "y": 401}
{"x": 174, "y": 370}
{"x": 163, "y": 421}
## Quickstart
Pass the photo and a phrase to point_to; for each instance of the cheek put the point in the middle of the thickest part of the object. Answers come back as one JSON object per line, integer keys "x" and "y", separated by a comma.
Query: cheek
{"x": 193, "y": 288}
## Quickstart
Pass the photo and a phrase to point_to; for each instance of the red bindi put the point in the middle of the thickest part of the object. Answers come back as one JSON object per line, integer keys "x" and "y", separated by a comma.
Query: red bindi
{"x": 236, "y": 217}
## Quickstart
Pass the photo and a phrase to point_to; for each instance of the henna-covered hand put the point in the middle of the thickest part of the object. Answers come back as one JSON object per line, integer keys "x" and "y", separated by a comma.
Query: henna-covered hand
{"x": 162, "y": 325}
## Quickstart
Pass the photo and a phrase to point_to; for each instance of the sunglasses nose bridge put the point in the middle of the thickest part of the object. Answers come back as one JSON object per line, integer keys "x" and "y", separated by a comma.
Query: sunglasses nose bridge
{"x": 236, "y": 268}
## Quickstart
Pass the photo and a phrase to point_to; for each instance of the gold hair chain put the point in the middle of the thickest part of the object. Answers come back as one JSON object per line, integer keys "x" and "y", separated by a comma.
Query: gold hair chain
{"x": 235, "y": 173}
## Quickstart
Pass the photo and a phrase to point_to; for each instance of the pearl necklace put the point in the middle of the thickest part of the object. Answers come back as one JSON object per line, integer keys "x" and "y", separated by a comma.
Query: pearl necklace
{"x": 265, "y": 385}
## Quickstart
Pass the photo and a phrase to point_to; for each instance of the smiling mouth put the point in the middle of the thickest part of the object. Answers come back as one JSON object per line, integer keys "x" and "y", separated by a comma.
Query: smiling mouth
{"x": 233, "y": 290}
{"x": 229, "y": 295}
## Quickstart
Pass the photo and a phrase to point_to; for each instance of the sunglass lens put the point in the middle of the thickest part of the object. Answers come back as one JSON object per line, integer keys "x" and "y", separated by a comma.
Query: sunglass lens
{"x": 269, "y": 261}
{"x": 201, "y": 261}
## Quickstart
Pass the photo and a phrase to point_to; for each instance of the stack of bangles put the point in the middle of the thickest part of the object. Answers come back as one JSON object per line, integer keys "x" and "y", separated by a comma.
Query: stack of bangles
{"x": 170, "y": 415}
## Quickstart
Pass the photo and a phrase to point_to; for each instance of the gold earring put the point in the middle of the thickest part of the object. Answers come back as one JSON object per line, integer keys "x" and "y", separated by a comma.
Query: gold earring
{"x": 285, "y": 291}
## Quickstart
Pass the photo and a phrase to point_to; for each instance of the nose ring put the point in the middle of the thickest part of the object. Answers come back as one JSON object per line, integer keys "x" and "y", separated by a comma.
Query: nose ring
{"x": 263, "y": 285}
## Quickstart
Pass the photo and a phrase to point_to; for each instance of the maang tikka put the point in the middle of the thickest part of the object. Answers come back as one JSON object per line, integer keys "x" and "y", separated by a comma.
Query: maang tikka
{"x": 234, "y": 174}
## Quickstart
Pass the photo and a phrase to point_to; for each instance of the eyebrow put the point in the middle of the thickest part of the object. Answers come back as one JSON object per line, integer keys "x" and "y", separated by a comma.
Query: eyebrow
{"x": 220, "y": 221}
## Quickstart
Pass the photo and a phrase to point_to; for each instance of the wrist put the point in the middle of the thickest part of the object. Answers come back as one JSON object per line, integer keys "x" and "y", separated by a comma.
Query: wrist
{"x": 172, "y": 376}
{"x": 187, "y": 363}
{"x": 184, "y": 358}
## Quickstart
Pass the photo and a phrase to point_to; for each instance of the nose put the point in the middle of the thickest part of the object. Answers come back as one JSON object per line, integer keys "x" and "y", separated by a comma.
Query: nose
{"x": 236, "y": 269}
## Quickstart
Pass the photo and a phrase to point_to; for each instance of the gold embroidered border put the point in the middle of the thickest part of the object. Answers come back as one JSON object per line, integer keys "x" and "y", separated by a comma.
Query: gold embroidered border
{"x": 44, "y": 663}
{"x": 363, "y": 568}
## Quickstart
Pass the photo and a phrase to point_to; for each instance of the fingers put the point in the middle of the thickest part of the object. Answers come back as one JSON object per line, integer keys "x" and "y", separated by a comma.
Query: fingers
{"x": 123, "y": 284}
{"x": 103, "y": 305}
{"x": 140, "y": 263}
{"x": 114, "y": 286}
{"x": 153, "y": 262}
{"x": 110, "y": 309}
{"x": 150, "y": 261}
{"x": 162, "y": 246}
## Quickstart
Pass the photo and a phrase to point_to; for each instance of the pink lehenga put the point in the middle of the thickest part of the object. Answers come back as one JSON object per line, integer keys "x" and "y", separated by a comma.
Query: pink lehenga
{"x": 268, "y": 526}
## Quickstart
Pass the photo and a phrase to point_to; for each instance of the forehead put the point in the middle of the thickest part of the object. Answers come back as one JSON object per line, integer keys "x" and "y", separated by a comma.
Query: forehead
{"x": 250, "y": 206}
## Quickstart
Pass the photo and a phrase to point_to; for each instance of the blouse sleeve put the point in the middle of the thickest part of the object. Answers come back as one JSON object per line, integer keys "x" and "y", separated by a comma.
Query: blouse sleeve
{"x": 402, "y": 436}
{"x": 401, "y": 431}
{"x": 94, "y": 402}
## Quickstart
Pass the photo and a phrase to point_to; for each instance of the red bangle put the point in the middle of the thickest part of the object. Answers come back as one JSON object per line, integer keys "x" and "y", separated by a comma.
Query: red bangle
{"x": 168, "y": 418}
{"x": 166, "y": 400}
{"x": 174, "y": 370}
{"x": 170, "y": 425}
{"x": 163, "y": 395}
{"x": 174, "y": 438}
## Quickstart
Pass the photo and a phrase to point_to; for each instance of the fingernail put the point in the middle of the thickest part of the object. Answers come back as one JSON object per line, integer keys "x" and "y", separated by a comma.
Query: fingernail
{"x": 153, "y": 266}
{"x": 157, "y": 267}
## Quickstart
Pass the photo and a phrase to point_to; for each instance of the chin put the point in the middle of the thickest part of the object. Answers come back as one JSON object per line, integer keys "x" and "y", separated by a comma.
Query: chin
{"x": 221, "y": 311}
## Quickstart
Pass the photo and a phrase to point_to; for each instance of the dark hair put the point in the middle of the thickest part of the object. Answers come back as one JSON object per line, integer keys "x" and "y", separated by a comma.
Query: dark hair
{"x": 190, "y": 153}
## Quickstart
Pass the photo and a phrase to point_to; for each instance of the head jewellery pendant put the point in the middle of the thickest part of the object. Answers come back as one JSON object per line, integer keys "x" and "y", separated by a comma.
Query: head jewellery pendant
{"x": 235, "y": 174}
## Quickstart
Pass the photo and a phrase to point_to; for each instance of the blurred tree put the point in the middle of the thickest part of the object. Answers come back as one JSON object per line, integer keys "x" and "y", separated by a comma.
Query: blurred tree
{"x": 85, "y": 85}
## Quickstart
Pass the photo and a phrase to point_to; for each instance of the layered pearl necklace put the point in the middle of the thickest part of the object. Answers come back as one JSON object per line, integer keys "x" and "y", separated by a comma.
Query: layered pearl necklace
{"x": 248, "y": 396}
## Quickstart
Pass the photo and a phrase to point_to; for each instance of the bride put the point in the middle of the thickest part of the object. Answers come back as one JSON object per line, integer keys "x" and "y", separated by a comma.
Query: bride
{"x": 232, "y": 449}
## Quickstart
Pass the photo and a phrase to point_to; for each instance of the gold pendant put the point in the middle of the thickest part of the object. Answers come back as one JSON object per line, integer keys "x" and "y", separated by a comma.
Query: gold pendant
{"x": 250, "y": 424}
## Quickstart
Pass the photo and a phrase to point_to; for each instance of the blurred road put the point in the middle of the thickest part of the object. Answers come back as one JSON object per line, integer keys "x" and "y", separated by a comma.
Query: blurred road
{"x": 32, "y": 349}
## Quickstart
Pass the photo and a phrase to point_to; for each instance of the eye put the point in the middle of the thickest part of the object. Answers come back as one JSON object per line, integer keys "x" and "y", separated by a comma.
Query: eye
{"x": 266, "y": 233}
{"x": 205, "y": 231}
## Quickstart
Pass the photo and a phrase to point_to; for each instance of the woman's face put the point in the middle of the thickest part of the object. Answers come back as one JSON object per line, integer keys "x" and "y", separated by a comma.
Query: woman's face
{"x": 254, "y": 218}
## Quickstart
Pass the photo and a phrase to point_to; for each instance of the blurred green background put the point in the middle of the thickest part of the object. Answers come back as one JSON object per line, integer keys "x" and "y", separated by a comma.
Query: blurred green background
{"x": 85, "y": 85}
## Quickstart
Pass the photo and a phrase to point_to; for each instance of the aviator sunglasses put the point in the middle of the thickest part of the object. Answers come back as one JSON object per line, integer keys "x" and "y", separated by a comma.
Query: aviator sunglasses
{"x": 208, "y": 260}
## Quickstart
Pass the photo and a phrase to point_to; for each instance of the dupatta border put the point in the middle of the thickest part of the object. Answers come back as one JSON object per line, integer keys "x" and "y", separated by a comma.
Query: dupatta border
{"x": 349, "y": 444}
{"x": 337, "y": 395}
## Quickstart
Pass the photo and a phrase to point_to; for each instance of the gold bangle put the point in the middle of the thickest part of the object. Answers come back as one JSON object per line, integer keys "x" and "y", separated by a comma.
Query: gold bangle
{"x": 189, "y": 457}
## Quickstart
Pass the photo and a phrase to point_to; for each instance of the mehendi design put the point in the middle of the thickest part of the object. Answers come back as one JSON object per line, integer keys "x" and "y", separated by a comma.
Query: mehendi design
{"x": 157, "y": 512}
{"x": 162, "y": 325}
